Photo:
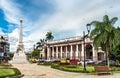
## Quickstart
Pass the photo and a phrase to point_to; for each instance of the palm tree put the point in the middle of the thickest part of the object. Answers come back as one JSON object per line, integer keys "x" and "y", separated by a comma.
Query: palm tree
{"x": 40, "y": 44}
{"x": 49, "y": 36}
{"x": 104, "y": 33}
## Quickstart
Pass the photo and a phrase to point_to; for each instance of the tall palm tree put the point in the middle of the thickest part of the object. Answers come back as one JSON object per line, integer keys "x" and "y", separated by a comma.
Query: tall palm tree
{"x": 40, "y": 44}
{"x": 49, "y": 36}
{"x": 104, "y": 33}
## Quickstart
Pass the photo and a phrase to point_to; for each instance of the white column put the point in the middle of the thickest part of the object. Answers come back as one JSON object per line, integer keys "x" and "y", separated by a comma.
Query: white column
{"x": 66, "y": 52}
{"x": 43, "y": 53}
{"x": 76, "y": 51}
{"x": 82, "y": 53}
{"x": 52, "y": 52}
{"x": 57, "y": 52}
{"x": 94, "y": 53}
{"x": 48, "y": 52}
{"x": 71, "y": 54}
{"x": 61, "y": 52}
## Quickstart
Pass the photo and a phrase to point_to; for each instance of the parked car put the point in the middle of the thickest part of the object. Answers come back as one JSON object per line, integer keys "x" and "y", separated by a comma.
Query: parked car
{"x": 39, "y": 60}
{"x": 87, "y": 61}
{"x": 74, "y": 61}
{"x": 64, "y": 61}
{"x": 32, "y": 60}
{"x": 49, "y": 60}
{"x": 104, "y": 62}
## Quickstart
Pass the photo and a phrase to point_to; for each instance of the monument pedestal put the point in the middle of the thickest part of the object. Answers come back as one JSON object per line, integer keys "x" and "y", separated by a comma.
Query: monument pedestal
{"x": 19, "y": 58}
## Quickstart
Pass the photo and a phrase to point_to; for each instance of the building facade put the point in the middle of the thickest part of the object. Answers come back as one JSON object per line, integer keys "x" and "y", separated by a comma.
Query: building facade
{"x": 4, "y": 47}
{"x": 73, "y": 47}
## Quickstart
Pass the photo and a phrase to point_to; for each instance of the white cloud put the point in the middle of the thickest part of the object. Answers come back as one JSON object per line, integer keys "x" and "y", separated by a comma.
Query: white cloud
{"x": 10, "y": 11}
{"x": 13, "y": 39}
{"x": 68, "y": 17}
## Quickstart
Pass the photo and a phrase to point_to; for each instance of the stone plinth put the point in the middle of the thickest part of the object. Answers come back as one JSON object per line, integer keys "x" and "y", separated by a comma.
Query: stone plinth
{"x": 19, "y": 58}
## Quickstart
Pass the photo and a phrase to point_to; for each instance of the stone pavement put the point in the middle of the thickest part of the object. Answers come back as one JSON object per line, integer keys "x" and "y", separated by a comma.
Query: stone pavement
{"x": 36, "y": 71}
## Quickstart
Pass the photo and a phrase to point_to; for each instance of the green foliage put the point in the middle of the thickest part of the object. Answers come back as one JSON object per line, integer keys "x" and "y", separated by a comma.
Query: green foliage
{"x": 46, "y": 63}
{"x": 72, "y": 68}
{"x": 49, "y": 36}
{"x": 79, "y": 68}
{"x": 17, "y": 72}
{"x": 115, "y": 68}
{"x": 104, "y": 31}
{"x": 5, "y": 65}
{"x": 35, "y": 53}
{"x": 8, "y": 72}
{"x": 115, "y": 54}
{"x": 105, "y": 34}
{"x": 40, "y": 44}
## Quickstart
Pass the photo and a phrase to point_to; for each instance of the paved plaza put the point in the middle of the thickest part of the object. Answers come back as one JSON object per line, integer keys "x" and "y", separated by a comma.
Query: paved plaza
{"x": 36, "y": 71}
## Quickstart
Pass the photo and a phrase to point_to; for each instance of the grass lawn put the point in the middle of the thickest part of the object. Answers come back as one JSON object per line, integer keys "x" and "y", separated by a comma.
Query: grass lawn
{"x": 5, "y": 72}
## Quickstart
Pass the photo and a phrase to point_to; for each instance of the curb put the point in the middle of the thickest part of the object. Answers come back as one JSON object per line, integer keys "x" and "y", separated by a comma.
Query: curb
{"x": 18, "y": 76}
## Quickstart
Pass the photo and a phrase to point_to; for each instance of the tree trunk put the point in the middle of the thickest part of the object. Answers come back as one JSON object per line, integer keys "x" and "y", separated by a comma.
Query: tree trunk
{"x": 107, "y": 52}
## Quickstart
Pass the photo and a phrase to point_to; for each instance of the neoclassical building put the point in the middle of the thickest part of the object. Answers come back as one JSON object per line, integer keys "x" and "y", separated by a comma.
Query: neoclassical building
{"x": 72, "y": 48}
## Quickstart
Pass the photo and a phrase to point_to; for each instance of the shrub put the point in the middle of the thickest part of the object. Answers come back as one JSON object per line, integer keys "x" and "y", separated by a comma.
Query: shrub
{"x": 46, "y": 63}
{"x": 72, "y": 68}
{"x": 17, "y": 72}
{"x": 55, "y": 65}
{"x": 115, "y": 68}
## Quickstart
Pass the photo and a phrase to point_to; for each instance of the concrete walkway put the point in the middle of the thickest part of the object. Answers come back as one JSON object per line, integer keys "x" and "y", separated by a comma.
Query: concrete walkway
{"x": 36, "y": 71}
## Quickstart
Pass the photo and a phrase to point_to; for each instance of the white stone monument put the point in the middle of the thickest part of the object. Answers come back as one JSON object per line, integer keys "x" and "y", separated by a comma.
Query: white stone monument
{"x": 19, "y": 56}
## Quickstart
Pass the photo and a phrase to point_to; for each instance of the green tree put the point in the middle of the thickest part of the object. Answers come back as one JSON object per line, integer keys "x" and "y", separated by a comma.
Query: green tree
{"x": 40, "y": 44}
{"x": 115, "y": 53}
{"x": 35, "y": 53}
{"x": 49, "y": 36}
{"x": 104, "y": 33}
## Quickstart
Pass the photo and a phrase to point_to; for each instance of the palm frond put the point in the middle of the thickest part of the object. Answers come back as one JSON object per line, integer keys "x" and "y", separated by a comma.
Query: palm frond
{"x": 105, "y": 19}
{"x": 94, "y": 23}
{"x": 113, "y": 20}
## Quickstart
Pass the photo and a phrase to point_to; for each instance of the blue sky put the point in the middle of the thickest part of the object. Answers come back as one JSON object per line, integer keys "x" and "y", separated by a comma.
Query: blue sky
{"x": 65, "y": 18}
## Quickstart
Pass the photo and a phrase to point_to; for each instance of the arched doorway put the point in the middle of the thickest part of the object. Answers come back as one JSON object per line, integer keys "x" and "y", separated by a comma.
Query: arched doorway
{"x": 100, "y": 56}
{"x": 89, "y": 52}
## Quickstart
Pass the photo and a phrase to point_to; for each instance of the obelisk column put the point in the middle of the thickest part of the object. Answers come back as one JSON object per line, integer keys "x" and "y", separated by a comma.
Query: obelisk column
{"x": 20, "y": 44}
{"x": 20, "y": 36}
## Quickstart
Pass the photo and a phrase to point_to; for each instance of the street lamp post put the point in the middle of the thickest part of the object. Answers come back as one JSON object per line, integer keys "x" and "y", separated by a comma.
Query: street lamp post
{"x": 85, "y": 36}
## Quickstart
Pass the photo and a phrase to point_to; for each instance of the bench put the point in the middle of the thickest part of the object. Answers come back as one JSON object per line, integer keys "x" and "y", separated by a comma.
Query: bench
{"x": 102, "y": 70}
